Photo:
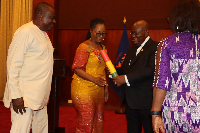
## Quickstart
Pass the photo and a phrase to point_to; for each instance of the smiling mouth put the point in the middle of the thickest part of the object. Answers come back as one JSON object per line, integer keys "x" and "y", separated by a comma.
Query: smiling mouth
{"x": 100, "y": 40}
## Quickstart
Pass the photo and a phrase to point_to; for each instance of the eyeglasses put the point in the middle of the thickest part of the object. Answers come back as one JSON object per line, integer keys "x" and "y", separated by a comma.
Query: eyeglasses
{"x": 101, "y": 34}
{"x": 136, "y": 34}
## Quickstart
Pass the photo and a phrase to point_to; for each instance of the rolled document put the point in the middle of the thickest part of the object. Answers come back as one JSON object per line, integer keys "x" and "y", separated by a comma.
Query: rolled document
{"x": 108, "y": 63}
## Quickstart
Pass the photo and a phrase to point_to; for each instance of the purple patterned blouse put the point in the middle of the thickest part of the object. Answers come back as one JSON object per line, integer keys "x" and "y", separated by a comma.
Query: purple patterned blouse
{"x": 178, "y": 72}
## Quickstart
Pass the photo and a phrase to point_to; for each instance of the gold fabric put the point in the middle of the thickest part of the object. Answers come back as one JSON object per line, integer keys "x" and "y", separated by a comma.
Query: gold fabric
{"x": 14, "y": 13}
{"x": 88, "y": 98}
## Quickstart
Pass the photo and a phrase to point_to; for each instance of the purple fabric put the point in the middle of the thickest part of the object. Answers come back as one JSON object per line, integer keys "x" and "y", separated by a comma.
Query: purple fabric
{"x": 179, "y": 75}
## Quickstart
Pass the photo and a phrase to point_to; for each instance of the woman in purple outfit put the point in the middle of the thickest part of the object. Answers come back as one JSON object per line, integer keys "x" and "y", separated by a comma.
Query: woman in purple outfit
{"x": 177, "y": 74}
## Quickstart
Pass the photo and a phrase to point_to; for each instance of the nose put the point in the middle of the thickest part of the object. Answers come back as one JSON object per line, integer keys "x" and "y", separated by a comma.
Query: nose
{"x": 132, "y": 35}
{"x": 101, "y": 35}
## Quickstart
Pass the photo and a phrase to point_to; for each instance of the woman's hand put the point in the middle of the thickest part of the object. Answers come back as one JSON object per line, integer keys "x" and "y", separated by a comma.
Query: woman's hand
{"x": 158, "y": 98}
{"x": 157, "y": 124}
{"x": 106, "y": 93}
{"x": 101, "y": 81}
{"x": 107, "y": 70}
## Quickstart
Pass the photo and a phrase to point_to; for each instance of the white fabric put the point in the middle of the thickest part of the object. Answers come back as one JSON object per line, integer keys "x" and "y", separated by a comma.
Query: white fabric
{"x": 137, "y": 52}
{"x": 127, "y": 83}
{"x": 29, "y": 67}
{"x": 38, "y": 120}
{"x": 142, "y": 45}
{"x": 110, "y": 76}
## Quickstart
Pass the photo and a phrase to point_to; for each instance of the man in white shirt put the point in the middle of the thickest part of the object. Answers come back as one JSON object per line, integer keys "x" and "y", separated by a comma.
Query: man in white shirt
{"x": 136, "y": 78}
{"x": 29, "y": 72}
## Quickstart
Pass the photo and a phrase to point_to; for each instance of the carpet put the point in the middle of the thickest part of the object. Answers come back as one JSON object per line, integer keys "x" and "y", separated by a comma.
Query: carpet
{"x": 113, "y": 123}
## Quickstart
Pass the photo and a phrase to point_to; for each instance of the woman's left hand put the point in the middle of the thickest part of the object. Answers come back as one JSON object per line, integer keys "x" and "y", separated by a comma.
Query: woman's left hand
{"x": 157, "y": 124}
{"x": 106, "y": 93}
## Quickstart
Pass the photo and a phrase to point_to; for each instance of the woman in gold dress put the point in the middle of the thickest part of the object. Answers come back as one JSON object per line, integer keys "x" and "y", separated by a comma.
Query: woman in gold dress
{"x": 89, "y": 82}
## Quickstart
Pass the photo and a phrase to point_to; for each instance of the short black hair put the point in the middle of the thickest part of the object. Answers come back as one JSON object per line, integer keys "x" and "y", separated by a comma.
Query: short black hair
{"x": 96, "y": 21}
{"x": 185, "y": 16}
{"x": 93, "y": 23}
{"x": 42, "y": 7}
{"x": 88, "y": 36}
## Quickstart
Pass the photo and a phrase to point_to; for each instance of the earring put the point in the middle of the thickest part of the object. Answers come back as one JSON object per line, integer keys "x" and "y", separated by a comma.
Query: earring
{"x": 177, "y": 29}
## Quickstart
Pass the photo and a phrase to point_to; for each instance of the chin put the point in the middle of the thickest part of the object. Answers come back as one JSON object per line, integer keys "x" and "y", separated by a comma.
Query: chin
{"x": 49, "y": 29}
{"x": 135, "y": 43}
{"x": 99, "y": 41}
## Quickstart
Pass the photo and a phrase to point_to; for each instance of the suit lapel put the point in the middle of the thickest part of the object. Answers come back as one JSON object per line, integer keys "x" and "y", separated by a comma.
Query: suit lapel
{"x": 130, "y": 55}
{"x": 142, "y": 51}
{"x": 133, "y": 53}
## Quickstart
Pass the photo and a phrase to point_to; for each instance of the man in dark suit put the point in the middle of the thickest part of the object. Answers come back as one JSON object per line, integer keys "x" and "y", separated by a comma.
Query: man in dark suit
{"x": 136, "y": 78}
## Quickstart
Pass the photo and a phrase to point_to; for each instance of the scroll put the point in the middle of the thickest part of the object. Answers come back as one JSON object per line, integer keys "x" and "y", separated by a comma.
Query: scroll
{"x": 108, "y": 63}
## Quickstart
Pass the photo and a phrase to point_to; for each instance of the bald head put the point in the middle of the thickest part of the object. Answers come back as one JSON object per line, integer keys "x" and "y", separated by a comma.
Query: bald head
{"x": 139, "y": 32}
{"x": 44, "y": 16}
{"x": 42, "y": 7}
{"x": 141, "y": 24}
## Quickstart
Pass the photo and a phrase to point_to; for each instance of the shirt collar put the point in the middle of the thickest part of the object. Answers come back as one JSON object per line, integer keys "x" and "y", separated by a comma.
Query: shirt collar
{"x": 147, "y": 39}
{"x": 138, "y": 50}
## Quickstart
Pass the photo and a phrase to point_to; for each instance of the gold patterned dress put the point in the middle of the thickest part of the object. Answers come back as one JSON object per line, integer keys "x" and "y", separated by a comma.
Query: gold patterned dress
{"x": 87, "y": 97}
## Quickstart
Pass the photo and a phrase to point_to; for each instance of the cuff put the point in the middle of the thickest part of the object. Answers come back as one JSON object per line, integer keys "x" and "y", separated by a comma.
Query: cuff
{"x": 16, "y": 94}
{"x": 127, "y": 81}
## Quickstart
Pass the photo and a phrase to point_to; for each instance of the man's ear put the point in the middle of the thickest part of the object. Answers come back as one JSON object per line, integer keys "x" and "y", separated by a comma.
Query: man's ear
{"x": 147, "y": 32}
{"x": 40, "y": 15}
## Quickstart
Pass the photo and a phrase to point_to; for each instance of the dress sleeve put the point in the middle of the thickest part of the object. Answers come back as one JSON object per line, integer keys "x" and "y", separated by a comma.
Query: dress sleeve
{"x": 162, "y": 78}
{"x": 81, "y": 57}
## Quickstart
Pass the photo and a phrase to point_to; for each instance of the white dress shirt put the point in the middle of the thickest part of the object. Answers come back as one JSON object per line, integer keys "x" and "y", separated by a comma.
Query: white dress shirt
{"x": 29, "y": 67}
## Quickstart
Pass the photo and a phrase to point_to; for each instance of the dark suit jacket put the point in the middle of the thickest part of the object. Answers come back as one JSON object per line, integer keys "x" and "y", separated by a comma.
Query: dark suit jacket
{"x": 140, "y": 74}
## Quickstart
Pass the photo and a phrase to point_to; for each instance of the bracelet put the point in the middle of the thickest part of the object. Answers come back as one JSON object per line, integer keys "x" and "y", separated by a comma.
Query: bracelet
{"x": 155, "y": 113}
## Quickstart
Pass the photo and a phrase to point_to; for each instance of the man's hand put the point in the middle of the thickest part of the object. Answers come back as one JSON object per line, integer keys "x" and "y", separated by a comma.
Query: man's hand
{"x": 119, "y": 80}
{"x": 18, "y": 105}
{"x": 157, "y": 124}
